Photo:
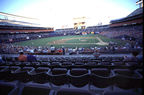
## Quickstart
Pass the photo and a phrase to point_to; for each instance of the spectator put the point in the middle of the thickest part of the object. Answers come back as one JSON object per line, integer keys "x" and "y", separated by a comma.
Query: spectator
{"x": 31, "y": 58}
{"x": 52, "y": 49}
{"x": 1, "y": 60}
{"x": 63, "y": 50}
{"x": 135, "y": 53}
{"x": 140, "y": 58}
{"x": 22, "y": 57}
{"x": 96, "y": 54}
{"x": 133, "y": 57}
{"x": 60, "y": 51}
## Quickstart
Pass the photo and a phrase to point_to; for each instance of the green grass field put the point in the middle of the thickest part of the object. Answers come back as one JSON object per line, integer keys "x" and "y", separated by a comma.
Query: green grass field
{"x": 90, "y": 40}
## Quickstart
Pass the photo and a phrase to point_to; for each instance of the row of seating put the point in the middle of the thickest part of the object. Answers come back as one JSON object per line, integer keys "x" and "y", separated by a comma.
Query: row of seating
{"x": 7, "y": 88}
{"x": 71, "y": 59}
{"x": 78, "y": 77}
{"x": 69, "y": 64}
{"x": 38, "y": 89}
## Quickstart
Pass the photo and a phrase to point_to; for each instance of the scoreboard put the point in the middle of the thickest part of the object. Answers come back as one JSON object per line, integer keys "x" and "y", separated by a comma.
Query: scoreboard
{"x": 79, "y": 23}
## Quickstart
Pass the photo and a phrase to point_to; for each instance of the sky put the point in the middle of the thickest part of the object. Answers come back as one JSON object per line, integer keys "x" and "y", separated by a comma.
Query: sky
{"x": 58, "y": 13}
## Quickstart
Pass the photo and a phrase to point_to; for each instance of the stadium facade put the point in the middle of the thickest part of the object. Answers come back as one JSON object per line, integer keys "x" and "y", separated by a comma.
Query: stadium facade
{"x": 19, "y": 26}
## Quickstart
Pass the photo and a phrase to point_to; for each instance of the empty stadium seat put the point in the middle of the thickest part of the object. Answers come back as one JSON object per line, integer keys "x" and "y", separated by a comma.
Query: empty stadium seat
{"x": 67, "y": 64}
{"x": 121, "y": 93}
{"x": 127, "y": 79}
{"x": 36, "y": 89}
{"x": 109, "y": 59}
{"x": 8, "y": 63}
{"x": 91, "y": 63}
{"x": 22, "y": 74}
{"x": 4, "y": 72}
{"x": 14, "y": 68}
{"x": 58, "y": 76}
{"x": 10, "y": 73}
{"x": 3, "y": 68}
{"x": 8, "y": 88}
{"x": 79, "y": 77}
{"x": 45, "y": 63}
{"x": 96, "y": 60}
{"x": 25, "y": 63}
{"x": 101, "y": 77}
{"x": 105, "y": 63}
{"x": 79, "y": 63}
{"x": 35, "y": 63}
{"x": 132, "y": 63}
{"x": 74, "y": 92}
{"x": 57, "y": 71}
{"x": 39, "y": 75}
{"x": 55, "y": 64}
{"x": 117, "y": 63}
{"x": 17, "y": 63}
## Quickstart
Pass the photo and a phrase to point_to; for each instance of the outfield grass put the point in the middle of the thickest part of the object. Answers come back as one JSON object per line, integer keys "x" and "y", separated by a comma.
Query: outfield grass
{"x": 70, "y": 41}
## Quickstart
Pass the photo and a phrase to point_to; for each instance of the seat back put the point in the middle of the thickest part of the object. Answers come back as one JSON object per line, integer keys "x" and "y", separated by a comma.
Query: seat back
{"x": 5, "y": 89}
{"x": 121, "y": 93}
{"x": 57, "y": 71}
{"x": 73, "y": 92}
{"x": 78, "y": 71}
{"x": 101, "y": 77}
{"x": 35, "y": 90}
{"x": 79, "y": 77}
{"x": 101, "y": 71}
{"x": 127, "y": 79}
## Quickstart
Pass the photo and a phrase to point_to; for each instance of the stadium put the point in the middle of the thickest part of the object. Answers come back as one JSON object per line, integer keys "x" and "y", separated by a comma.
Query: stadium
{"x": 102, "y": 59}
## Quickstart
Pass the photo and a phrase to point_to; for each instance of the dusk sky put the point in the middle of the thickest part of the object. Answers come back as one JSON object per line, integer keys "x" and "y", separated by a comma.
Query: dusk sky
{"x": 58, "y": 13}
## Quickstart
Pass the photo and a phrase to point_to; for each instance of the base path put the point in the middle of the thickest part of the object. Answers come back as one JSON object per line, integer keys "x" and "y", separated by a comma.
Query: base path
{"x": 101, "y": 42}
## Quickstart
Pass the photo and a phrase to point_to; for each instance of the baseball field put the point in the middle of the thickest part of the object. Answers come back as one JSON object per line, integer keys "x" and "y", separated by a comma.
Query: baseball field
{"x": 90, "y": 40}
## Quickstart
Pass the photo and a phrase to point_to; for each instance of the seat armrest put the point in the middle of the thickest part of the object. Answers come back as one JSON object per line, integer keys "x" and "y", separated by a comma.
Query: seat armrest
{"x": 68, "y": 72}
{"x": 89, "y": 71}
{"x": 141, "y": 76}
{"x": 113, "y": 73}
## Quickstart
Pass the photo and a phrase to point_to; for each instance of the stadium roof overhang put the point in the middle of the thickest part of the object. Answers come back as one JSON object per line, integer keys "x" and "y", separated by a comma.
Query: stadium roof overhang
{"x": 138, "y": 13}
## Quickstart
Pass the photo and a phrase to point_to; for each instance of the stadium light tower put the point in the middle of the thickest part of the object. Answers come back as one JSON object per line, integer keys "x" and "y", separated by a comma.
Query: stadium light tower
{"x": 140, "y": 3}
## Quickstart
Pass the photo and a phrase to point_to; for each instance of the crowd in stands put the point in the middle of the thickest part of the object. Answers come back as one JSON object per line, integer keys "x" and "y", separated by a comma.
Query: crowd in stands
{"x": 129, "y": 32}
{"x": 111, "y": 48}
{"x": 133, "y": 31}
{"x": 5, "y": 38}
{"x": 29, "y": 57}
